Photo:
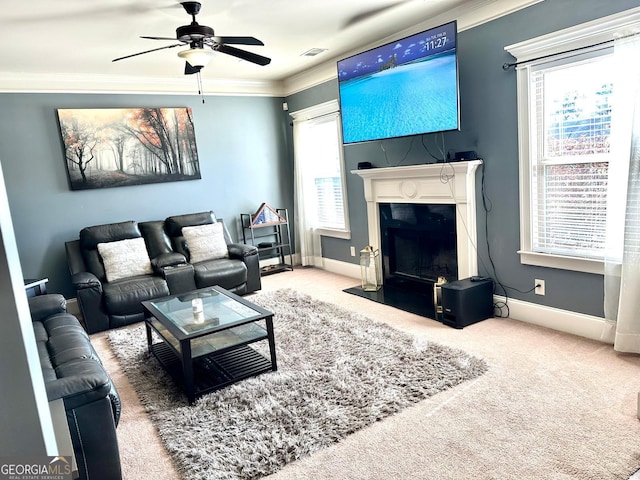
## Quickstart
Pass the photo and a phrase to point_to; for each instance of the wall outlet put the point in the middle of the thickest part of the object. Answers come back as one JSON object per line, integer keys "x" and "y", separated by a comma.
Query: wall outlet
{"x": 353, "y": 251}
{"x": 539, "y": 284}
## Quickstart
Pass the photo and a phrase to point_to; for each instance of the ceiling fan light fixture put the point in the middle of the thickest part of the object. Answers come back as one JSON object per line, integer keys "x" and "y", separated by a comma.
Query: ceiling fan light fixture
{"x": 197, "y": 57}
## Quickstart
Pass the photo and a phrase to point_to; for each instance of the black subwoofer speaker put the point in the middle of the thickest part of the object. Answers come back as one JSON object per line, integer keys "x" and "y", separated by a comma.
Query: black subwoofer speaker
{"x": 467, "y": 301}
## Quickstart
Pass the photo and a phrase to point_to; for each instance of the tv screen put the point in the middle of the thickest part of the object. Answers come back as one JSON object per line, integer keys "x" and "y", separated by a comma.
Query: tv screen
{"x": 406, "y": 87}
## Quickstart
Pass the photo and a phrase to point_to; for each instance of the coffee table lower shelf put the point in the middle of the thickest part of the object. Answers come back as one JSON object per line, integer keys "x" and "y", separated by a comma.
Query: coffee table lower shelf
{"x": 216, "y": 370}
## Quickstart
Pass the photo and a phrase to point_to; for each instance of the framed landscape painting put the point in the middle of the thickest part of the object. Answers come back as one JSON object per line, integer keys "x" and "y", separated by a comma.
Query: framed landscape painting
{"x": 115, "y": 147}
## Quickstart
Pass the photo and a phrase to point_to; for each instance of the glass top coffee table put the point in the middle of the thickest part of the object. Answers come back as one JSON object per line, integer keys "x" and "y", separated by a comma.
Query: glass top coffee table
{"x": 203, "y": 338}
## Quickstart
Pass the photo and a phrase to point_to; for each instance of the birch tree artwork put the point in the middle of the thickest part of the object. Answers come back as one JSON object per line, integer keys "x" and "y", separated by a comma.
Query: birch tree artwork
{"x": 114, "y": 147}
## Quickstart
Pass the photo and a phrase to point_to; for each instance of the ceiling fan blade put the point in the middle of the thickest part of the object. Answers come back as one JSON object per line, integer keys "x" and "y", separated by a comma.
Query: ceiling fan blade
{"x": 148, "y": 51}
{"x": 243, "y": 54}
{"x": 158, "y": 38}
{"x": 360, "y": 17}
{"x": 238, "y": 40}
{"x": 190, "y": 70}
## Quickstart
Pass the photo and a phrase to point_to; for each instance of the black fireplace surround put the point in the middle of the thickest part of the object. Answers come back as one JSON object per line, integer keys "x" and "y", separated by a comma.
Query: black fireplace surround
{"x": 418, "y": 243}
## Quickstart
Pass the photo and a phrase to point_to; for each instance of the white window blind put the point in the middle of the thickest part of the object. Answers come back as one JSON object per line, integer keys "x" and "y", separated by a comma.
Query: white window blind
{"x": 323, "y": 165}
{"x": 570, "y": 130}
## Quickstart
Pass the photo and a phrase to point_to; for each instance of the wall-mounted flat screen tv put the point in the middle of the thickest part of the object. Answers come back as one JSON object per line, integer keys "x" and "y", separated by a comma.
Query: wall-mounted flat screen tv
{"x": 406, "y": 87}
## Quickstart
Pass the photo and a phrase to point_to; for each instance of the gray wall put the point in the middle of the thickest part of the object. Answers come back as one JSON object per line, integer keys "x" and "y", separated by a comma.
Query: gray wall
{"x": 26, "y": 421}
{"x": 488, "y": 126}
{"x": 244, "y": 161}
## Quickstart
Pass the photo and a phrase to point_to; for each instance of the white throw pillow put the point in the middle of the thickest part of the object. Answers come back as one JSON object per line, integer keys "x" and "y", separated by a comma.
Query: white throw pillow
{"x": 205, "y": 242}
{"x": 125, "y": 258}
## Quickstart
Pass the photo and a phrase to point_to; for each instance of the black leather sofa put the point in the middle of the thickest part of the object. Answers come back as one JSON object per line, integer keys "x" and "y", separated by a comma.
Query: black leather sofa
{"x": 73, "y": 372}
{"x": 106, "y": 304}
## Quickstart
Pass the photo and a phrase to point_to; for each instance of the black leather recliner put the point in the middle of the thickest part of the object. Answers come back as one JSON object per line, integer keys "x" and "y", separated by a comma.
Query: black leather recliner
{"x": 105, "y": 304}
{"x": 73, "y": 372}
{"x": 239, "y": 273}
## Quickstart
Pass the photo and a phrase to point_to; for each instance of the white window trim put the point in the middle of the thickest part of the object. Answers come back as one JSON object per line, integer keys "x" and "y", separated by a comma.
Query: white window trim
{"x": 326, "y": 108}
{"x": 580, "y": 36}
{"x": 315, "y": 111}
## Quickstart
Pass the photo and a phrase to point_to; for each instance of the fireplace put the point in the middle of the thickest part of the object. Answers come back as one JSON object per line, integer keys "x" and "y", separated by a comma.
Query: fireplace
{"x": 430, "y": 209}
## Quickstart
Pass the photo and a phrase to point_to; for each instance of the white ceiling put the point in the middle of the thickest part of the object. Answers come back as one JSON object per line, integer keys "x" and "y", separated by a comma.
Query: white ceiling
{"x": 69, "y": 44}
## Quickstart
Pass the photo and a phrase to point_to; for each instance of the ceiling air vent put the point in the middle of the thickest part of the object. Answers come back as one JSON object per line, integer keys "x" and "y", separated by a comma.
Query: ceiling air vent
{"x": 313, "y": 52}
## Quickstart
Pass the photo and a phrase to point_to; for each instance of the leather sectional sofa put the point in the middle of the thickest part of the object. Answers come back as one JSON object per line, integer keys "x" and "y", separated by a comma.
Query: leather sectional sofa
{"x": 109, "y": 295}
{"x": 73, "y": 372}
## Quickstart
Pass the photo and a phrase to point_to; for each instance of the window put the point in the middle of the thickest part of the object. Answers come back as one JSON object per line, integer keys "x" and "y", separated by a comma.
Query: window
{"x": 323, "y": 173}
{"x": 564, "y": 132}
{"x": 570, "y": 151}
{"x": 320, "y": 174}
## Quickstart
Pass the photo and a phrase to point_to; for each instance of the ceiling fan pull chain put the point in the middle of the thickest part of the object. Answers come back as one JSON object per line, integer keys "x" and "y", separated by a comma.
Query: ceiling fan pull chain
{"x": 200, "y": 89}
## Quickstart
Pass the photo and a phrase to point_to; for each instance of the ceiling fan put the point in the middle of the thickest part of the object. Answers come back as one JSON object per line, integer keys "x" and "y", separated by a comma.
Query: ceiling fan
{"x": 203, "y": 42}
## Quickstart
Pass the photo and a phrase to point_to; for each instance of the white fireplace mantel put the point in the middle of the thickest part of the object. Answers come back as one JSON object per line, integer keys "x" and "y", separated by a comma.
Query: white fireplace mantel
{"x": 438, "y": 183}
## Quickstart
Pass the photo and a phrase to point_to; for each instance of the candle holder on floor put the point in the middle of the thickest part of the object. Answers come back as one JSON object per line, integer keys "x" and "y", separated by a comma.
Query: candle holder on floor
{"x": 370, "y": 269}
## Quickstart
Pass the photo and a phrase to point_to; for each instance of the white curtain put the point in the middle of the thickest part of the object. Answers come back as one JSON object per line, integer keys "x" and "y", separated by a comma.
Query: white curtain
{"x": 307, "y": 240}
{"x": 622, "y": 258}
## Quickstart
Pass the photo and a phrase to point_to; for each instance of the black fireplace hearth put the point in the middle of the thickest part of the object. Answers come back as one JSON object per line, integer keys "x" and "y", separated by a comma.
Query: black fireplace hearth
{"x": 411, "y": 300}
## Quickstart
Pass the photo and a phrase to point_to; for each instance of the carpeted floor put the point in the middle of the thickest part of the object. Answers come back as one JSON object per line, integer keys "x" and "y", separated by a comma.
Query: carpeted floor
{"x": 337, "y": 373}
{"x": 552, "y": 406}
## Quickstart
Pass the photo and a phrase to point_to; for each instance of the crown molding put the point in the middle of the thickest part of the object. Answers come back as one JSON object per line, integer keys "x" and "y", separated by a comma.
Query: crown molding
{"x": 468, "y": 16}
{"x": 14, "y": 82}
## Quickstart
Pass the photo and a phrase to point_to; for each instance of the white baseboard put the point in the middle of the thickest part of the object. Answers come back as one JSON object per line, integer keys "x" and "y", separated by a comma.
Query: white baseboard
{"x": 587, "y": 326}
{"x": 328, "y": 264}
{"x": 341, "y": 268}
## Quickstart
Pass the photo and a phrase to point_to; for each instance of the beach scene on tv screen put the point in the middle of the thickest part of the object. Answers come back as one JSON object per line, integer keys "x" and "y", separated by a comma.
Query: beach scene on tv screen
{"x": 406, "y": 88}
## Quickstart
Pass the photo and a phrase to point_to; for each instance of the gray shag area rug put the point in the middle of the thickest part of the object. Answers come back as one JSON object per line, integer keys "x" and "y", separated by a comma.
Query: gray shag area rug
{"x": 337, "y": 373}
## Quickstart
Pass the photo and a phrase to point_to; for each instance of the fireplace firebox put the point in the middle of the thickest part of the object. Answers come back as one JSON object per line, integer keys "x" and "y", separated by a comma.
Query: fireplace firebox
{"x": 418, "y": 244}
